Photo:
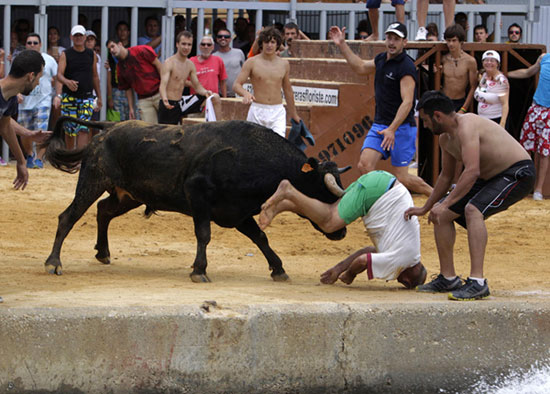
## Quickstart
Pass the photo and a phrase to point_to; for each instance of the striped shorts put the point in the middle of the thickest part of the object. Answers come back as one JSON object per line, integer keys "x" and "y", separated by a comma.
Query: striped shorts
{"x": 80, "y": 108}
{"x": 34, "y": 119}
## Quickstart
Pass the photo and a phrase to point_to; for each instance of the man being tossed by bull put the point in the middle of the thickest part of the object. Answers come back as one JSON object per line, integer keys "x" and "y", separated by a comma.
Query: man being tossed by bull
{"x": 380, "y": 199}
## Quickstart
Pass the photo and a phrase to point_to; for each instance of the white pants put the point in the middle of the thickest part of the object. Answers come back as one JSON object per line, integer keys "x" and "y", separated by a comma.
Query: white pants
{"x": 271, "y": 116}
{"x": 397, "y": 241}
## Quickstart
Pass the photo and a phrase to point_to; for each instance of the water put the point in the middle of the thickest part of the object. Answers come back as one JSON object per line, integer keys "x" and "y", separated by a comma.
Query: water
{"x": 536, "y": 380}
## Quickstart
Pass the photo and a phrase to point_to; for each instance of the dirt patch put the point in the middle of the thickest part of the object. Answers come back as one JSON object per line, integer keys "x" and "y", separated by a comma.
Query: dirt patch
{"x": 151, "y": 258}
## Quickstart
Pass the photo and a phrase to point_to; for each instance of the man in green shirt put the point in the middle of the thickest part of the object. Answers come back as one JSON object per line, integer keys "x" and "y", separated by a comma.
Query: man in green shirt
{"x": 380, "y": 200}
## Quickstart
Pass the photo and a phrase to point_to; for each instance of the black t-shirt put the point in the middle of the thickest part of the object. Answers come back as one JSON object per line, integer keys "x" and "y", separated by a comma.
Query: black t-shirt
{"x": 8, "y": 107}
{"x": 387, "y": 88}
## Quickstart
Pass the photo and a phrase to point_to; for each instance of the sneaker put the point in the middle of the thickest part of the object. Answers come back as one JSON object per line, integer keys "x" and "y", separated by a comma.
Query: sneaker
{"x": 421, "y": 34}
{"x": 537, "y": 196}
{"x": 38, "y": 163}
{"x": 440, "y": 285}
{"x": 2, "y": 162}
{"x": 30, "y": 161}
{"x": 471, "y": 291}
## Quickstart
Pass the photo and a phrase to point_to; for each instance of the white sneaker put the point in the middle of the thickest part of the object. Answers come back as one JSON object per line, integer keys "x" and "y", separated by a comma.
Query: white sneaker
{"x": 2, "y": 162}
{"x": 421, "y": 34}
{"x": 537, "y": 196}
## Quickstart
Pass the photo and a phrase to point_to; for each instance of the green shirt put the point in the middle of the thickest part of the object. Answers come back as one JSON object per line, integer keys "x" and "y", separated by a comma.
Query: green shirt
{"x": 363, "y": 193}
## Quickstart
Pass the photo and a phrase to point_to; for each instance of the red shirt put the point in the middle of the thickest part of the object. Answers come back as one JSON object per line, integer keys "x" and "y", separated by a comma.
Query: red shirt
{"x": 138, "y": 72}
{"x": 210, "y": 72}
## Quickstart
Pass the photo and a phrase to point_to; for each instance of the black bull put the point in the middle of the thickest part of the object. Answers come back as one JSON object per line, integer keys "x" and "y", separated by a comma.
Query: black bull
{"x": 220, "y": 171}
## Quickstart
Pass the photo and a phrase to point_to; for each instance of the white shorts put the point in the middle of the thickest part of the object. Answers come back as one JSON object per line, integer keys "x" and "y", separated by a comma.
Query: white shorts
{"x": 271, "y": 116}
{"x": 397, "y": 241}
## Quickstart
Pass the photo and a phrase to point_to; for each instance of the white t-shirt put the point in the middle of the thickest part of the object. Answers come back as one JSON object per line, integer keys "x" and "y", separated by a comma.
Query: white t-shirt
{"x": 41, "y": 95}
{"x": 233, "y": 61}
{"x": 488, "y": 94}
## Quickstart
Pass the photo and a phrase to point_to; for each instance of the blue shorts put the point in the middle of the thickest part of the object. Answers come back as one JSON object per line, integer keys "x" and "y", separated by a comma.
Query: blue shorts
{"x": 34, "y": 119}
{"x": 376, "y": 3}
{"x": 403, "y": 147}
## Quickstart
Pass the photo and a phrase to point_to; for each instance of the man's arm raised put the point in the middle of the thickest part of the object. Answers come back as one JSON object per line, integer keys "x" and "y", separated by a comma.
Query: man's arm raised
{"x": 357, "y": 64}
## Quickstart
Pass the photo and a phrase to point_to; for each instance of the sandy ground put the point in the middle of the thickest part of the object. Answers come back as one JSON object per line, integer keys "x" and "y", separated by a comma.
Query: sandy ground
{"x": 151, "y": 258}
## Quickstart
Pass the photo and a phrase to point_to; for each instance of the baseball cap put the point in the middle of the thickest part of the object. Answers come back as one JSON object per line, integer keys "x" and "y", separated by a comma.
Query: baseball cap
{"x": 397, "y": 28}
{"x": 90, "y": 33}
{"x": 491, "y": 54}
{"x": 78, "y": 29}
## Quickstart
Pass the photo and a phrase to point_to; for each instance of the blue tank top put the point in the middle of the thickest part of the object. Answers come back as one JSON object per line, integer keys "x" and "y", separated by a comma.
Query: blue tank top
{"x": 542, "y": 94}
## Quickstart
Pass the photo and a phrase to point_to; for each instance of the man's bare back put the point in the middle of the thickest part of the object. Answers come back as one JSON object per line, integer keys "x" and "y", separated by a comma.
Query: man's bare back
{"x": 179, "y": 70}
{"x": 456, "y": 74}
{"x": 498, "y": 150}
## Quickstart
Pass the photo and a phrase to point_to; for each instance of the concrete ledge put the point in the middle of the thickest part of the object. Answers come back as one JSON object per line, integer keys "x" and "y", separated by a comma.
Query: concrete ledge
{"x": 324, "y": 347}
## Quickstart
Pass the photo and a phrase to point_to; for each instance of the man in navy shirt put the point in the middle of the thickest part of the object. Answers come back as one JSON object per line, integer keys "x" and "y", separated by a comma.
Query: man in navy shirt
{"x": 393, "y": 133}
{"x": 24, "y": 75}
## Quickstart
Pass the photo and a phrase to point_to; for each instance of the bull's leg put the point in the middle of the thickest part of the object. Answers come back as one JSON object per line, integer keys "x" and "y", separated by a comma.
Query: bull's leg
{"x": 84, "y": 197}
{"x": 250, "y": 228}
{"x": 196, "y": 190}
{"x": 202, "y": 232}
{"x": 108, "y": 209}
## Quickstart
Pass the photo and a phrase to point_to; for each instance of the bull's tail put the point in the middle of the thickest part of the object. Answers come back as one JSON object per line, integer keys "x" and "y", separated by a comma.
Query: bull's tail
{"x": 57, "y": 154}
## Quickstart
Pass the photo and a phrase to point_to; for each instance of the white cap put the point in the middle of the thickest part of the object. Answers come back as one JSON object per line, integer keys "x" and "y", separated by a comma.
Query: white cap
{"x": 90, "y": 33}
{"x": 78, "y": 29}
{"x": 491, "y": 54}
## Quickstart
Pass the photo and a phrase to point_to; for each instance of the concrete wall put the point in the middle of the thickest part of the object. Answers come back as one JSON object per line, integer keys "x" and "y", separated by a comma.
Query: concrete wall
{"x": 325, "y": 347}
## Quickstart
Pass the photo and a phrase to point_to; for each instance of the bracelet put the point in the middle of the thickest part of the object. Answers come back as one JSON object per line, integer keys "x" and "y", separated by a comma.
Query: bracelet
{"x": 1, "y": 62}
{"x": 463, "y": 110}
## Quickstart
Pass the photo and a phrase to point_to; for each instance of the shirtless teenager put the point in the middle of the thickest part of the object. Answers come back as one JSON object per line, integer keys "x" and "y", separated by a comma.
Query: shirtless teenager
{"x": 268, "y": 73}
{"x": 174, "y": 72}
{"x": 459, "y": 70}
{"x": 380, "y": 200}
{"x": 498, "y": 172}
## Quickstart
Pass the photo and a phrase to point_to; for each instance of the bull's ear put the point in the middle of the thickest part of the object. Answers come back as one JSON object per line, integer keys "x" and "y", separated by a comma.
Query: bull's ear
{"x": 311, "y": 165}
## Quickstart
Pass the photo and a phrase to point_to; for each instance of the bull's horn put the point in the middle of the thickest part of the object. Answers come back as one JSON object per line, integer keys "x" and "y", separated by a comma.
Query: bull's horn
{"x": 341, "y": 170}
{"x": 332, "y": 185}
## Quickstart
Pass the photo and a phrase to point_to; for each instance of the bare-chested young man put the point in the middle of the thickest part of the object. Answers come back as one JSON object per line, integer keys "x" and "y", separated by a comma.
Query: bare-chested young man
{"x": 459, "y": 70}
{"x": 498, "y": 172}
{"x": 174, "y": 72}
{"x": 268, "y": 73}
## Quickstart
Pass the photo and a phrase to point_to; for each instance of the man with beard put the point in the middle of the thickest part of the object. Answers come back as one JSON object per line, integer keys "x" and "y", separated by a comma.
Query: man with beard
{"x": 498, "y": 172}
{"x": 24, "y": 75}
{"x": 233, "y": 58}
{"x": 176, "y": 70}
{"x": 393, "y": 133}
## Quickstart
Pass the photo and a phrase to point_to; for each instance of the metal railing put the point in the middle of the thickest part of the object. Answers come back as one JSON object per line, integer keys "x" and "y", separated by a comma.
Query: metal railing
{"x": 293, "y": 8}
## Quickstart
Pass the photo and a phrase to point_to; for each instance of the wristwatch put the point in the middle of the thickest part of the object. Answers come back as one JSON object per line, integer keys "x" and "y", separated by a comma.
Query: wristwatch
{"x": 59, "y": 96}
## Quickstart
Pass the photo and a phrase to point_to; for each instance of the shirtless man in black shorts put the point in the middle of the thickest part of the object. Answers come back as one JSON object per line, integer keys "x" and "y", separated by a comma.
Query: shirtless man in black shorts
{"x": 498, "y": 172}
{"x": 174, "y": 72}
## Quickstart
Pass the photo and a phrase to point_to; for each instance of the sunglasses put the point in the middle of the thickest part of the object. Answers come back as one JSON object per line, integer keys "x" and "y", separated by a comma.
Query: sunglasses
{"x": 32, "y": 43}
{"x": 206, "y": 44}
{"x": 363, "y": 37}
{"x": 514, "y": 32}
{"x": 223, "y": 36}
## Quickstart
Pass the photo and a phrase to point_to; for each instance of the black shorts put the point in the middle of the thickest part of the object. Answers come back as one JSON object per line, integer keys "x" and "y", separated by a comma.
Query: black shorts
{"x": 498, "y": 193}
{"x": 458, "y": 103}
{"x": 169, "y": 116}
{"x": 187, "y": 105}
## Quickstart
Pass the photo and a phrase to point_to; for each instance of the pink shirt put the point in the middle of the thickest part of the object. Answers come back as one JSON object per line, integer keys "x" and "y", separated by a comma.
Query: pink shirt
{"x": 210, "y": 72}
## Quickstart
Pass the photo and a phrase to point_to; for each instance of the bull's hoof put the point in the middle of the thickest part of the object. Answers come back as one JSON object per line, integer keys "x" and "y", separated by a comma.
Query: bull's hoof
{"x": 104, "y": 260}
{"x": 53, "y": 269}
{"x": 197, "y": 278}
{"x": 280, "y": 277}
